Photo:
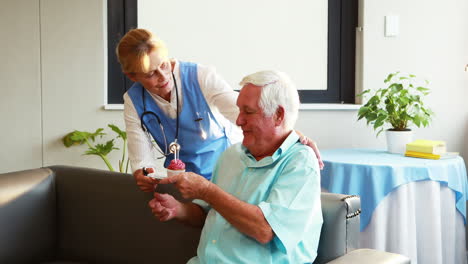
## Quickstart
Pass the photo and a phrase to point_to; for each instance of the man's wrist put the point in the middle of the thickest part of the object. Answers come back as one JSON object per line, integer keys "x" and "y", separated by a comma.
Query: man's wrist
{"x": 180, "y": 211}
{"x": 208, "y": 191}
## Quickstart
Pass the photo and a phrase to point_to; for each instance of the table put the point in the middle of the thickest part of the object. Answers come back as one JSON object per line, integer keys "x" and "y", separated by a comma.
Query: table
{"x": 415, "y": 207}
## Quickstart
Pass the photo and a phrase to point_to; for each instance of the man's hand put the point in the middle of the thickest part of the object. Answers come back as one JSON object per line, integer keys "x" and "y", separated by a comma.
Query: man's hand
{"x": 190, "y": 185}
{"x": 309, "y": 142}
{"x": 164, "y": 206}
{"x": 146, "y": 184}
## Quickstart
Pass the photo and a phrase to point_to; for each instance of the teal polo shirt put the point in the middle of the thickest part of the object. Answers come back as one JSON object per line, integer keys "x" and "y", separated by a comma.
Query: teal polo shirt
{"x": 286, "y": 187}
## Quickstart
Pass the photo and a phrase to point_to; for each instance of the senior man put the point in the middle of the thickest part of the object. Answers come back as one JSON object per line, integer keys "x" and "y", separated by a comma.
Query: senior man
{"x": 263, "y": 203}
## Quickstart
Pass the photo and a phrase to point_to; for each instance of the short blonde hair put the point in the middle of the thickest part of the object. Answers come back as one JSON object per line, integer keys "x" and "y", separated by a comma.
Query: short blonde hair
{"x": 134, "y": 48}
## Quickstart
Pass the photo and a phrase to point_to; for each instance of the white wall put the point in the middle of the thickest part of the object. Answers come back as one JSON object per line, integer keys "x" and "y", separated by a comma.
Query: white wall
{"x": 74, "y": 77}
{"x": 53, "y": 81}
{"x": 20, "y": 101}
{"x": 70, "y": 72}
{"x": 432, "y": 45}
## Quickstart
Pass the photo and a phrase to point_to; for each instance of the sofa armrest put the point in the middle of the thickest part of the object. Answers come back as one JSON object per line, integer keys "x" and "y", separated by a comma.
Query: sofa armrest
{"x": 27, "y": 216}
{"x": 340, "y": 230}
{"x": 370, "y": 256}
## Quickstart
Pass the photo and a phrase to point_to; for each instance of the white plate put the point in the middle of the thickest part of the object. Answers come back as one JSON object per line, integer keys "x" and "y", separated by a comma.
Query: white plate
{"x": 157, "y": 175}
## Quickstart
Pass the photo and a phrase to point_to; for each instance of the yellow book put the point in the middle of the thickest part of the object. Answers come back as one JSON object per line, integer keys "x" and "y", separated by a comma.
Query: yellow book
{"x": 427, "y": 146}
{"x": 415, "y": 154}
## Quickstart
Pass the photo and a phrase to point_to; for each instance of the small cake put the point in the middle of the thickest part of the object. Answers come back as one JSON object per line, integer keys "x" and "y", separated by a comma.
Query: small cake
{"x": 175, "y": 167}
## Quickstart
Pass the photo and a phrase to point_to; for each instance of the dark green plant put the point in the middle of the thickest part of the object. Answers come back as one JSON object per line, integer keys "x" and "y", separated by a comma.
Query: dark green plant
{"x": 399, "y": 105}
{"x": 83, "y": 137}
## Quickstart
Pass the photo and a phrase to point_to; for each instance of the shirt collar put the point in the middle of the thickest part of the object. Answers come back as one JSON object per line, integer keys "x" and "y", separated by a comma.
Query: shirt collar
{"x": 250, "y": 160}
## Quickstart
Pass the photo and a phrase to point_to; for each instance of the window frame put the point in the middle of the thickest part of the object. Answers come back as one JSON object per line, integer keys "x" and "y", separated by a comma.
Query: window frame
{"x": 122, "y": 15}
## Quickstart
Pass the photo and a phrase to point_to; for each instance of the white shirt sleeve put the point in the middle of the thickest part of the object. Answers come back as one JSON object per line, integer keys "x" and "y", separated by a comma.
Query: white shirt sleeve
{"x": 140, "y": 149}
{"x": 218, "y": 94}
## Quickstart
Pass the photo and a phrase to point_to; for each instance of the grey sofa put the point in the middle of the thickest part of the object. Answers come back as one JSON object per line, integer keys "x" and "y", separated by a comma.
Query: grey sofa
{"x": 63, "y": 214}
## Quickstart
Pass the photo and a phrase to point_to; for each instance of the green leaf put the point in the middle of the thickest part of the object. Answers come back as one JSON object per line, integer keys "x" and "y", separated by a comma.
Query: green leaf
{"x": 122, "y": 134}
{"x": 102, "y": 149}
{"x": 390, "y": 108}
{"x": 108, "y": 147}
{"x": 399, "y": 87}
{"x": 371, "y": 117}
{"x": 403, "y": 101}
{"x": 69, "y": 140}
{"x": 425, "y": 122}
{"x": 417, "y": 121}
{"x": 97, "y": 133}
{"x": 80, "y": 136}
{"x": 380, "y": 131}
{"x": 383, "y": 92}
{"x": 382, "y": 112}
{"x": 374, "y": 100}
{"x": 390, "y": 76}
{"x": 363, "y": 93}
{"x": 380, "y": 121}
{"x": 422, "y": 89}
{"x": 92, "y": 151}
{"x": 415, "y": 98}
{"x": 392, "y": 86}
{"x": 363, "y": 110}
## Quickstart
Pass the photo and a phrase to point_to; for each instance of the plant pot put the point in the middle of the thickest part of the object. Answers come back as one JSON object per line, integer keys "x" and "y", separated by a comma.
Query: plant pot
{"x": 397, "y": 140}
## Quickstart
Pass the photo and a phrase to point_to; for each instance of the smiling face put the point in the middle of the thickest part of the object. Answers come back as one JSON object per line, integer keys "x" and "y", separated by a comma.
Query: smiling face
{"x": 260, "y": 132}
{"x": 158, "y": 79}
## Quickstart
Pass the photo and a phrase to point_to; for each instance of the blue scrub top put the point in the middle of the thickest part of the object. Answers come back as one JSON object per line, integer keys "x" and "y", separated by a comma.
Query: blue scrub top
{"x": 198, "y": 154}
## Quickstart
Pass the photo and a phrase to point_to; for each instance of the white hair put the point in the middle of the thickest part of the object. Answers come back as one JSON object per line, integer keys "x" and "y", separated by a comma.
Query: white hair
{"x": 277, "y": 90}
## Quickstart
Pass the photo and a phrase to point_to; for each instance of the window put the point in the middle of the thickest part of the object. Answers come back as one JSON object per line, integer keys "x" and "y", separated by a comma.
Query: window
{"x": 342, "y": 23}
{"x": 121, "y": 17}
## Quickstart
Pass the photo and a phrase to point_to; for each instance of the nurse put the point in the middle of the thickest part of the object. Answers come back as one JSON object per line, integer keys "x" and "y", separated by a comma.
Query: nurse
{"x": 175, "y": 105}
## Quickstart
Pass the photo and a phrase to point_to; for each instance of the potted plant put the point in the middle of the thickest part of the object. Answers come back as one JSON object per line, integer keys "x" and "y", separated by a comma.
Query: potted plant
{"x": 399, "y": 105}
{"x": 83, "y": 137}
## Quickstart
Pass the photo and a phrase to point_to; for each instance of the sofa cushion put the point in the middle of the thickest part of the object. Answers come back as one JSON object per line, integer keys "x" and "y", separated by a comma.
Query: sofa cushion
{"x": 103, "y": 217}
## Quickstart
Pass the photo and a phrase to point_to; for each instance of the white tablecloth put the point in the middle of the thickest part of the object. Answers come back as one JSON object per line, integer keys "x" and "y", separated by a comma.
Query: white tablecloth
{"x": 415, "y": 207}
{"x": 419, "y": 220}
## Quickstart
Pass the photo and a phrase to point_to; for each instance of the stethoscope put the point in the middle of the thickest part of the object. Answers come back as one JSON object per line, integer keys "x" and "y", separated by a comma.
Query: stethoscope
{"x": 174, "y": 147}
